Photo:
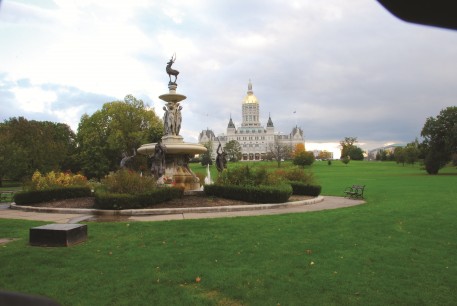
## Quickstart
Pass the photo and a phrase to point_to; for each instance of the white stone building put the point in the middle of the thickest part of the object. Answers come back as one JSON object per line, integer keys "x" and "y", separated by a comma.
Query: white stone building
{"x": 255, "y": 140}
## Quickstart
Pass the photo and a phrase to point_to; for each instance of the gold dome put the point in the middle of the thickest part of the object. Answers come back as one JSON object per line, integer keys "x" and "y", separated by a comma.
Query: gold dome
{"x": 250, "y": 97}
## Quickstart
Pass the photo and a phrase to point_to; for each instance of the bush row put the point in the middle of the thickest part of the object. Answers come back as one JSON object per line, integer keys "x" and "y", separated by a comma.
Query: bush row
{"x": 117, "y": 201}
{"x": 300, "y": 188}
{"x": 258, "y": 194}
{"x": 38, "y": 196}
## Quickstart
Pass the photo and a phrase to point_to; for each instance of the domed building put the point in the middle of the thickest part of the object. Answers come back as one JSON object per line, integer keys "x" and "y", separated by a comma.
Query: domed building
{"x": 255, "y": 140}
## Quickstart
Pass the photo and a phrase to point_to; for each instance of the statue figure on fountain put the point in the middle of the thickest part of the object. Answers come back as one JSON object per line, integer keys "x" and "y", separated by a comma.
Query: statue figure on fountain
{"x": 171, "y": 71}
{"x": 127, "y": 160}
{"x": 158, "y": 160}
{"x": 172, "y": 119}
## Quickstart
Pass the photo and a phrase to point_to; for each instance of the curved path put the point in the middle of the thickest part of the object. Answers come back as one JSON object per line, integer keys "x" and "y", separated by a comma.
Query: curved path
{"x": 69, "y": 215}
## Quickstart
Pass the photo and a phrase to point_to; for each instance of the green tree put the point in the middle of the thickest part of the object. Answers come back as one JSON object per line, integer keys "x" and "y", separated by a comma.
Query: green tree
{"x": 355, "y": 153}
{"x": 400, "y": 156}
{"x": 120, "y": 127}
{"x": 412, "y": 152}
{"x": 233, "y": 150}
{"x": 346, "y": 145}
{"x": 440, "y": 139}
{"x": 34, "y": 145}
{"x": 382, "y": 155}
{"x": 207, "y": 157}
{"x": 304, "y": 158}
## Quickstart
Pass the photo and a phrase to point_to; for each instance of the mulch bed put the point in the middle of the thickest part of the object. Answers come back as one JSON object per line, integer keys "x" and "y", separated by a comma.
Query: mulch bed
{"x": 186, "y": 201}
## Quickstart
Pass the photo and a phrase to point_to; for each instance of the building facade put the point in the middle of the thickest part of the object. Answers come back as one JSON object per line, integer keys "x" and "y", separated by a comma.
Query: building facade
{"x": 255, "y": 139}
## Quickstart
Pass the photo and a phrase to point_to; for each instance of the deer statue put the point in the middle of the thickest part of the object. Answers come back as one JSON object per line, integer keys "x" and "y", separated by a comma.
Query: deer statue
{"x": 172, "y": 71}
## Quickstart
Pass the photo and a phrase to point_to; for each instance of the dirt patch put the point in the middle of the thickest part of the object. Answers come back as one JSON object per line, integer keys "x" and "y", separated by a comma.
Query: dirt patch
{"x": 186, "y": 201}
{"x": 6, "y": 240}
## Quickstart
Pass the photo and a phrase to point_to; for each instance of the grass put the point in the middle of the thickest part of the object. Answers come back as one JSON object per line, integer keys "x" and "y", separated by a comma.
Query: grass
{"x": 398, "y": 249}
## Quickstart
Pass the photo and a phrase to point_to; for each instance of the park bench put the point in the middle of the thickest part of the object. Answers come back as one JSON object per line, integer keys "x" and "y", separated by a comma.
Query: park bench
{"x": 355, "y": 191}
{"x": 6, "y": 195}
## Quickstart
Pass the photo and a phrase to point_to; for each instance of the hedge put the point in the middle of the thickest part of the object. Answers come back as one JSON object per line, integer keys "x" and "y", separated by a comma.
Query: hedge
{"x": 118, "y": 201}
{"x": 38, "y": 196}
{"x": 257, "y": 194}
{"x": 305, "y": 189}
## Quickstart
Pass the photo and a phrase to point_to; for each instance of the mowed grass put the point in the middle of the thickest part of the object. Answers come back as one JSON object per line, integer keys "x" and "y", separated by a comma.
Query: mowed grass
{"x": 398, "y": 249}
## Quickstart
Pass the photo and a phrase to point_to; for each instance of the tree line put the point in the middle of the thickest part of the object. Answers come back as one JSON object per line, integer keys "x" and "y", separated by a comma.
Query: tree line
{"x": 438, "y": 148}
{"x": 119, "y": 127}
{"x": 99, "y": 144}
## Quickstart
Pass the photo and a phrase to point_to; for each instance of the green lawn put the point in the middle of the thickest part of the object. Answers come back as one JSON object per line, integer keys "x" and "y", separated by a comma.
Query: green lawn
{"x": 398, "y": 249}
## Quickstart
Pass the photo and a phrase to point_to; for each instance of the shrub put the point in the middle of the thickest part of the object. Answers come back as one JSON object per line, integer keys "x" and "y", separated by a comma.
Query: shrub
{"x": 297, "y": 174}
{"x": 300, "y": 188}
{"x": 117, "y": 201}
{"x": 38, "y": 196}
{"x": 304, "y": 159}
{"x": 53, "y": 180}
{"x": 246, "y": 176}
{"x": 126, "y": 181}
{"x": 252, "y": 194}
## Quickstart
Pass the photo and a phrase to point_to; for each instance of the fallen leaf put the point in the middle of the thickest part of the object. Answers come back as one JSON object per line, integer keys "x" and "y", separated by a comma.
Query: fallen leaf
{"x": 198, "y": 279}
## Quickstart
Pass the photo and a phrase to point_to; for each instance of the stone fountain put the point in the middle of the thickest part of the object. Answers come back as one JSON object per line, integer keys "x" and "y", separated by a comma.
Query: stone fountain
{"x": 171, "y": 155}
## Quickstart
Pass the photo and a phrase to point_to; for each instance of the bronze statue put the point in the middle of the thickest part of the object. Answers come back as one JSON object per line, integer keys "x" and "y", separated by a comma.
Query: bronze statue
{"x": 158, "y": 160}
{"x": 172, "y": 71}
{"x": 221, "y": 160}
{"x": 126, "y": 160}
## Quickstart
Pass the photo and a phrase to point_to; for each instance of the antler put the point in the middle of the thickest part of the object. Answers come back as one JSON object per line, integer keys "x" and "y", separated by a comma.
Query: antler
{"x": 174, "y": 55}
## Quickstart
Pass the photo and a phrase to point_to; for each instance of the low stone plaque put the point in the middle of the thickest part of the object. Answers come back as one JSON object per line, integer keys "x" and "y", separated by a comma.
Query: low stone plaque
{"x": 55, "y": 235}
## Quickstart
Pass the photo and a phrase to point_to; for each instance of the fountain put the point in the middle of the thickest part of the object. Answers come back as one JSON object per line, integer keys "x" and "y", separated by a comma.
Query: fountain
{"x": 171, "y": 154}
{"x": 208, "y": 180}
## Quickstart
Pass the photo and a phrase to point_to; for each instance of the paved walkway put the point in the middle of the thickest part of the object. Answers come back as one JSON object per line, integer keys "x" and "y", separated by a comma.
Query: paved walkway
{"x": 74, "y": 215}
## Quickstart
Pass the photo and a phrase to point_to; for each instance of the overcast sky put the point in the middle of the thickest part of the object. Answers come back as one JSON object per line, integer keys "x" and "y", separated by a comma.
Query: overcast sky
{"x": 348, "y": 68}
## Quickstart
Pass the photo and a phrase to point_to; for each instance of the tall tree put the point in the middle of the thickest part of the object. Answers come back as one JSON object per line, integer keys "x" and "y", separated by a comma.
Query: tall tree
{"x": 207, "y": 157}
{"x": 346, "y": 145}
{"x": 233, "y": 150}
{"x": 355, "y": 153}
{"x": 411, "y": 152}
{"x": 399, "y": 155}
{"x": 440, "y": 139}
{"x": 118, "y": 128}
{"x": 33, "y": 145}
{"x": 299, "y": 147}
{"x": 280, "y": 151}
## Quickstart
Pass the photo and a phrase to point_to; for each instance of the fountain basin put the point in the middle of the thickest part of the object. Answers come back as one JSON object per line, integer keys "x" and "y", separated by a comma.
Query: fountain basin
{"x": 174, "y": 148}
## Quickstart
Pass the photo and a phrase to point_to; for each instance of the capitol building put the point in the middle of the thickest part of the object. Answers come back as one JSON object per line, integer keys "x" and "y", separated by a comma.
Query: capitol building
{"x": 255, "y": 139}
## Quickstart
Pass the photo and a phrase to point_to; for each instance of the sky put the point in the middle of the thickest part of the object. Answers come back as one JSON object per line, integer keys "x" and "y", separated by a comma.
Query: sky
{"x": 346, "y": 68}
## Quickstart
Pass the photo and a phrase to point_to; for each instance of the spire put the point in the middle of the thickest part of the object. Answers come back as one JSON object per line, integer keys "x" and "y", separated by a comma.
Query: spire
{"x": 250, "y": 97}
{"x": 270, "y": 122}
{"x": 250, "y": 92}
{"x": 230, "y": 124}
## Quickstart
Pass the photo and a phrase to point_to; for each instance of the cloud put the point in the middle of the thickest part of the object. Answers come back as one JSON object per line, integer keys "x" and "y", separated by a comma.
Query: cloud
{"x": 347, "y": 68}
{"x": 50, "y": 102}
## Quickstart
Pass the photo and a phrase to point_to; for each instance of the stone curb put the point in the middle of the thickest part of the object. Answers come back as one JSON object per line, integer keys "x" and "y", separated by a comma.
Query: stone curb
{"x": 164, "y": 211}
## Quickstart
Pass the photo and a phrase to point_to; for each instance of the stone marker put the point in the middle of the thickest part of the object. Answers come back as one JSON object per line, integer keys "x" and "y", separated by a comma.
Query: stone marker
{"x": 54, "y": 235}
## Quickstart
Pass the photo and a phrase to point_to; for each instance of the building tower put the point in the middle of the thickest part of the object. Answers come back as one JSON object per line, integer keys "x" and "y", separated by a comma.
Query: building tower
{"x": 250, "y": 109}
